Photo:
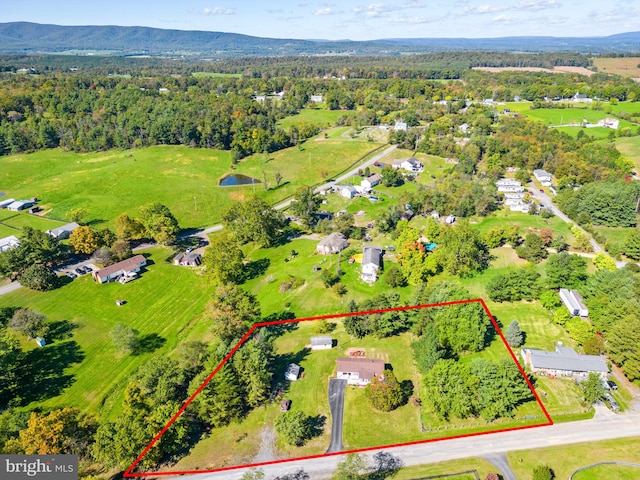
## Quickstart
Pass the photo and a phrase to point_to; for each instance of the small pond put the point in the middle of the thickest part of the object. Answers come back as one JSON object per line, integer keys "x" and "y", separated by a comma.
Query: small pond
{"x": 237, "y": 179}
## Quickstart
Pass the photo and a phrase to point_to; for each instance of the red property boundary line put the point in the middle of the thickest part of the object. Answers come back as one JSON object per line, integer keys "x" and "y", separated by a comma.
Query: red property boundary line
{"x": 128, "y": 472}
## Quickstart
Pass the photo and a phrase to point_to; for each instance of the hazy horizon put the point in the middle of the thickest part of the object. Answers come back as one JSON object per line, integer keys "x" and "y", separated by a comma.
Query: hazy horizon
{"x": 349, "y": 19}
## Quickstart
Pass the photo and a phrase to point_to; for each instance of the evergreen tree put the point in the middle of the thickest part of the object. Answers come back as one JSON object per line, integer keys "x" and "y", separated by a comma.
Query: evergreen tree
{"x": 513, "y": 334}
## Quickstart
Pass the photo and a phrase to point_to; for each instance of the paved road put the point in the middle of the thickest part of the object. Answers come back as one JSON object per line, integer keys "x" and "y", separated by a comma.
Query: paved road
{"x": 336, "y": 404}
{"x": 9, "y": 287}
{"x": 599, "y": 428}
{"x": 544, "y": 199}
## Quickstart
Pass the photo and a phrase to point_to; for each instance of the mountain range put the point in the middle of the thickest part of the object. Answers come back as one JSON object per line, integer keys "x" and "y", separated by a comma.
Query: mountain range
{"x": 34, "y": 38}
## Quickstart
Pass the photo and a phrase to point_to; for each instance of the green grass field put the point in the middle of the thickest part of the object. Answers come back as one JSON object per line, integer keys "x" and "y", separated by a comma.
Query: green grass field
{"x": 617, "y": 472}
{"x": 81, "y": 364}
{"x": 318, "y": 116}
{"x": 449, "y": 468}
{"x": 630, "y": 148}
{"x": 108, "y": 184}
{"x": 11, "y": 223}
{"x": 505, "y": 218}
{"x": 566, "y": 459}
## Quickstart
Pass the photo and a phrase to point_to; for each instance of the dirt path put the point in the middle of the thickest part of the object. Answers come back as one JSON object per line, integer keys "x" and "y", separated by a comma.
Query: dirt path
{"x": 268, "y": 450}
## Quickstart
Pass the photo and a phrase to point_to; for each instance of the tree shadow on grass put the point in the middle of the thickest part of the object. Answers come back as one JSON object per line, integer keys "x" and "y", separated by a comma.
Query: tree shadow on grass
{"x": 60, "y": 330}
{"x": 148, "y": 344}
{"x": 256, "y": 268}
{"x": 43, "y": 375}
{"x": 316, "y": 425}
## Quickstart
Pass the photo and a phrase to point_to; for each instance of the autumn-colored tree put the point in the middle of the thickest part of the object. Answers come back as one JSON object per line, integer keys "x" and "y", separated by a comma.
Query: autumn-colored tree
{"x": 127, "y": 228}
{"x": 76, "y": 214}
{"x": 84, "y": 240}
{"x": 60, "y": 431}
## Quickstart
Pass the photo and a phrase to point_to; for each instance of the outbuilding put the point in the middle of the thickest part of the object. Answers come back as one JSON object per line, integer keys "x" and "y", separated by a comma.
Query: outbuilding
{"x": 293, "y": 372}
{"x": 321, "y": 343}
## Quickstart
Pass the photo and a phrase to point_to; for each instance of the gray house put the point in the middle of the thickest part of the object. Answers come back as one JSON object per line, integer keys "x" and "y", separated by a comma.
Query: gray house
{"x": 371, "y": 263}
{"x": 563, "y": 362}
{"x": 63, "y": 232}
{"x": 321, "y": 343}
{"x": 334, "y": 243}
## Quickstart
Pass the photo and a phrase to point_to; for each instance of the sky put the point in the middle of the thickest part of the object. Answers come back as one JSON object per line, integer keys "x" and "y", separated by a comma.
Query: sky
{"x": 344, "y": 19}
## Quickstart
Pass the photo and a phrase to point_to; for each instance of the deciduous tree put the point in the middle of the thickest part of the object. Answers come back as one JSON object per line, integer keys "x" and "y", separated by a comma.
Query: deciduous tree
{"x": 385, "y": 393}
{"x": 38, "y": 277}
{"x": 224, "y": 260}
{"x": 84, "y": 240}
{"x": 29, "y": 323}
{"x": 159, "y": 223}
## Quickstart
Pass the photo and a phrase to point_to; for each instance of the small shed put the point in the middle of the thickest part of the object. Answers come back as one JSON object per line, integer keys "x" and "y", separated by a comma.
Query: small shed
{"x": 321, "y": 343}
{"x": 41, "y": 341}
{"x": 293, "y": 372}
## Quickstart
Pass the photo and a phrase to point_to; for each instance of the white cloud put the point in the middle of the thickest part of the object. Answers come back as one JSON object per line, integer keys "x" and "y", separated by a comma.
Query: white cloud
{"x": 411, "y": 20}
{"x": 505, "y": 19}
{"x": 374, "y": 10}
{"x": 535, "y": 5}
{"x": 325, "y": 11}
{"x": 481, "y": 10}
{"x": 218, "y": 11}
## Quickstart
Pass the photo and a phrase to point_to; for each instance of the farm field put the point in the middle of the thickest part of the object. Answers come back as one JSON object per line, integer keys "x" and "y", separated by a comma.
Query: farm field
{"x": 11, "y": 223}
{"x": 108, "y": 184}
{"x": 566, "y": 459}
{"x": 624, "y": 66}
{"x": 80, "y": 366}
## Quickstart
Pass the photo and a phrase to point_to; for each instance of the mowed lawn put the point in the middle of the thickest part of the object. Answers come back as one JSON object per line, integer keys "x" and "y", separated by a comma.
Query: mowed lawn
{"x": 505, "y": 218}
{"x": 618, "y": 472}
{"x": 312, "y": 298}
{"x": 108, "y": 184}
{"x": 12, "y": 223}
{"x": 566, "y": 459}
{"x": 164, "y": 305}
{"x": 322, "y": 117}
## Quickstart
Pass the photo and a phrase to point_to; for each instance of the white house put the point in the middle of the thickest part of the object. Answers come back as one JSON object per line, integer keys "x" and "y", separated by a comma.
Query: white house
{"x": 581, "y": 97}
{"x": 293, "y": 372}
{"x": 125, "y": 269}
{"x": 371, "y": 263}
{"x": 411, "y": 164}
{"x": 520, "y": 206}
{"x": 514, "y": 195}
{"x": 609, "y": 123}
{"x": 450, "y": 219}
{"x": 573, "y": 301}
{"x": 348, "y": 191}
{"x": 359, "y": 371}
{"x": 8, "y": 243}
{"x": 464, "y": 128}
{"x": 508, "y": 182}
{"x": 371, "y": 181}
{"x": 543, "y": 177}
{"x": 63, "y": 232}
{"x": 321, "y": 343}
{"x": 315, "y": 98}
{"x": 400, "y": 126}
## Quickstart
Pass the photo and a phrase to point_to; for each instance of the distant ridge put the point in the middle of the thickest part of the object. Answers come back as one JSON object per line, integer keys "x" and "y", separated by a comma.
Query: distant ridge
{"x": 34, "y": 38}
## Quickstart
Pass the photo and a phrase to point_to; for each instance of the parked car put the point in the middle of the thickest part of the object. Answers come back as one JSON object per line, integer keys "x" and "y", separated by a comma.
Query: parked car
{"x": 189, "y": 250}
{"x": 70, "y": 274}
{"x": 79, "y": 271}
{"x": 285, "y": 405}
{"x": 88, "y": 269}
{"x": 612, "y": 385}
{"x": 541, "y": 190}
